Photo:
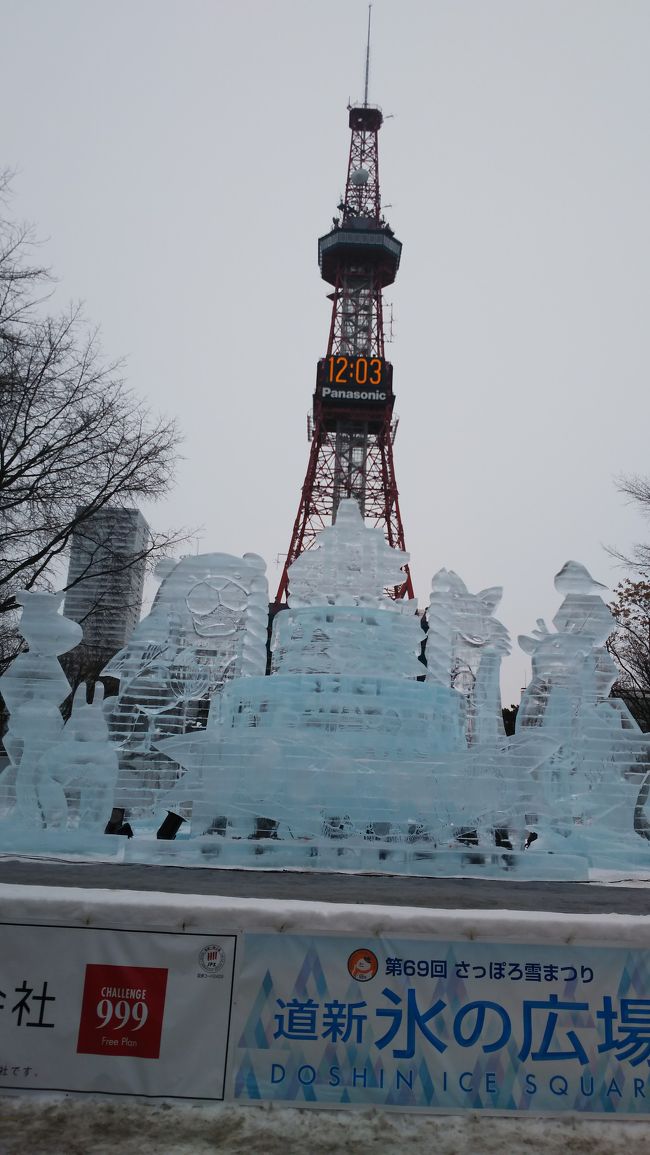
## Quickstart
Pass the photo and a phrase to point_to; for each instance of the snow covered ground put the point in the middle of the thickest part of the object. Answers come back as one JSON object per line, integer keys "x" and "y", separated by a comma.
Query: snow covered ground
{"x": 87, "y": 1127}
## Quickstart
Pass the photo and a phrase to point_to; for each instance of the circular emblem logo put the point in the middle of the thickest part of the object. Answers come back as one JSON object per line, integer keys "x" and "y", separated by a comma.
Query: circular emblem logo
{"x": 212, "y": 958}
{"x": 363, "y": 965}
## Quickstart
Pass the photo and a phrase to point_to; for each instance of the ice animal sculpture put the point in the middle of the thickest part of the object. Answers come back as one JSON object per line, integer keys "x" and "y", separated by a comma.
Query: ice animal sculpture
{"x": 207, "y": 625}
{"x": 50, "y": 762}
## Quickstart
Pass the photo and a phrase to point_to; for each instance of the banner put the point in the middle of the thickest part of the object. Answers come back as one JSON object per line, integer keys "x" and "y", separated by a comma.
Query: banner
{"x": 424, "y": 1024}
{"x": 112, "y": 1011}
{"x": 417, "y": 1023}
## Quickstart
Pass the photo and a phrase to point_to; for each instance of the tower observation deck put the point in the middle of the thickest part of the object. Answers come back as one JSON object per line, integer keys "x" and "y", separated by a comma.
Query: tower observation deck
{"x": 351, "y": 428}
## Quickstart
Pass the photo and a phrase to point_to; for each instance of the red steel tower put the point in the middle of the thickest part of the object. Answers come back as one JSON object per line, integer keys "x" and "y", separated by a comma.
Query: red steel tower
{"x": 351, "y": 427}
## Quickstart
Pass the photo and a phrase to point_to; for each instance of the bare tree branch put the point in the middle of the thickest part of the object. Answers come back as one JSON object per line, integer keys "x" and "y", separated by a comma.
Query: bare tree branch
{"x": 73, "y": 438}
{"x": 637, "y": 489}
{"x": 629, "y": 645}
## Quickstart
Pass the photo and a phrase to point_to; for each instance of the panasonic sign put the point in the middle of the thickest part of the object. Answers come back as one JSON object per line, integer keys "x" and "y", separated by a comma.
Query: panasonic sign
{"x": 330, "y": 394}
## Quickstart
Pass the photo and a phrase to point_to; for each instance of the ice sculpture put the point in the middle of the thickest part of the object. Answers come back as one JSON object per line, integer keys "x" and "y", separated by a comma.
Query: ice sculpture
{"x": 337, "y": 617}
{"x": 49, "y": 761}
{"x": 350, "y": 753}
{"x": 351, "y": 566}
{"x": 207, "y": 625}
{"x": 344, "y": 745}
{"x": 465, "y": 645}
{"x": 566, "y": 670}
{"x": 340, "y": 735}
{"x": 83, "y": 762}
{"x": 586, "y": 790}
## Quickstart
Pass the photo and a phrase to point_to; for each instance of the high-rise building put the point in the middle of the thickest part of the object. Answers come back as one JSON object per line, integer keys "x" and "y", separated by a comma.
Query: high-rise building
{"x": 106, "y": 576}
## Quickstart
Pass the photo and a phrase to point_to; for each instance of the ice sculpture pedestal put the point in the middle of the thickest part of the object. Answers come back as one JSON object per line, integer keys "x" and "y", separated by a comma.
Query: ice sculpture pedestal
{"x": 72, "y": 844}
{"x": 358, "y": 856}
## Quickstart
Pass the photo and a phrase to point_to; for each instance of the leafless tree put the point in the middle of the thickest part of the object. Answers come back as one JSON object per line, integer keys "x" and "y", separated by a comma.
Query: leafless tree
{"x": 73, "y": 438}
{"x": 637, "y": 489}
{"x": 629, "y": 645}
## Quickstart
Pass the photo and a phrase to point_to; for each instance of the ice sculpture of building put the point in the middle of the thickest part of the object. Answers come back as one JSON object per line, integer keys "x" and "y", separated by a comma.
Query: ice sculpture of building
{"x": 340, "y": 737}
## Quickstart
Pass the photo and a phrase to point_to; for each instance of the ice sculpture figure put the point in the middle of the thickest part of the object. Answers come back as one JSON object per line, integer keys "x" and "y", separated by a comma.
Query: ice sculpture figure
{"x": 33, "y": 688}
{"x": 83, "y": 762}
{"x": 566, "y": 672}
{"x": 465, "y": 645}
{"x": 584, "y": 793}
{"x": 208, "y": 624}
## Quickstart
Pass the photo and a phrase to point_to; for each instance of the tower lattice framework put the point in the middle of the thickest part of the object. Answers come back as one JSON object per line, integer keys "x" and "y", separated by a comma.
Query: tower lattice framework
{"x": 351, "y": 428}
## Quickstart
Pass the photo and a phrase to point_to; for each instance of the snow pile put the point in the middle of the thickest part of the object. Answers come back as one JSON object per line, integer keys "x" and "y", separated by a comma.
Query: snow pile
{"x": 91, "y": 1127}
{"x": 161, "y": 911}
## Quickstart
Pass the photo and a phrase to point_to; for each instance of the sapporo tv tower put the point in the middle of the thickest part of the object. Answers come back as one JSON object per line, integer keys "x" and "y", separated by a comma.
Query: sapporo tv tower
{"x": 351, "y": 428}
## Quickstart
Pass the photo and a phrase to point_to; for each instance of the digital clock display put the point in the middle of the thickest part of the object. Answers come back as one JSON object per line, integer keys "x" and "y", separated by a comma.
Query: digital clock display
{"x": 355, "y": 371}
{"x": 355, "y": 380}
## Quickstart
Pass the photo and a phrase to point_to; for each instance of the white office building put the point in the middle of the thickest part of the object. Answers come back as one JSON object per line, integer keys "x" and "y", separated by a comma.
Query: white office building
{"x": 106, "y": 598}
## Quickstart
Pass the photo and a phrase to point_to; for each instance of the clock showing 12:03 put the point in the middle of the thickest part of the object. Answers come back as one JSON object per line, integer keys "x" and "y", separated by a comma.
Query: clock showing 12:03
{"x": 362, "y": 371}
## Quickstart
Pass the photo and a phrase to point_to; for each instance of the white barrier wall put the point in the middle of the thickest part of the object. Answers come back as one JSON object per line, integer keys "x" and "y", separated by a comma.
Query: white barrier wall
{"x": 188, "y": 997}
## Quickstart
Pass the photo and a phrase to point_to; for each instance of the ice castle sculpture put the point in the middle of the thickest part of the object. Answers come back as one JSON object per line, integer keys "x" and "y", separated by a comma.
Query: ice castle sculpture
{"x": 321, "y": 744}
{"x": 350, "y": 753}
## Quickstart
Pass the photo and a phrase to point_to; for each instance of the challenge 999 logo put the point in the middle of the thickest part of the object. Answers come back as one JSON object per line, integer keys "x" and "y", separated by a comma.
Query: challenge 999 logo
{"x": 122, "y": 1011}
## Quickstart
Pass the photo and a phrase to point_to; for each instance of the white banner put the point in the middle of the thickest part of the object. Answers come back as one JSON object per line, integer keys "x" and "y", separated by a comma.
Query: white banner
{"x": 410, "y": 1010}
{"x": 114, "y": 1011}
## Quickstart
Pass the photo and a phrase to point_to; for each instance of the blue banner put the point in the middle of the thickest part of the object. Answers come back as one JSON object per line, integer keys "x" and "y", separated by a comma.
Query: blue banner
{"x": 435, "y": 1025}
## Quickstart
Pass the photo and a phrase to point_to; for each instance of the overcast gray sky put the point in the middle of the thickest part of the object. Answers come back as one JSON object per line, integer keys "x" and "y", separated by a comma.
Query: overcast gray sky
{"x": 180, "y": 160}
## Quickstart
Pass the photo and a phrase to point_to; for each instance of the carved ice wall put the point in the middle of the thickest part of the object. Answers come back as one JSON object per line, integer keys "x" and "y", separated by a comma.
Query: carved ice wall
{"x": 351, "y": 740}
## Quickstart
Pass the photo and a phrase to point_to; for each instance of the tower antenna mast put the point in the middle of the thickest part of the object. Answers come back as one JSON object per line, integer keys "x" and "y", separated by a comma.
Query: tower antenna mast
{"x": 365, "y": 91}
